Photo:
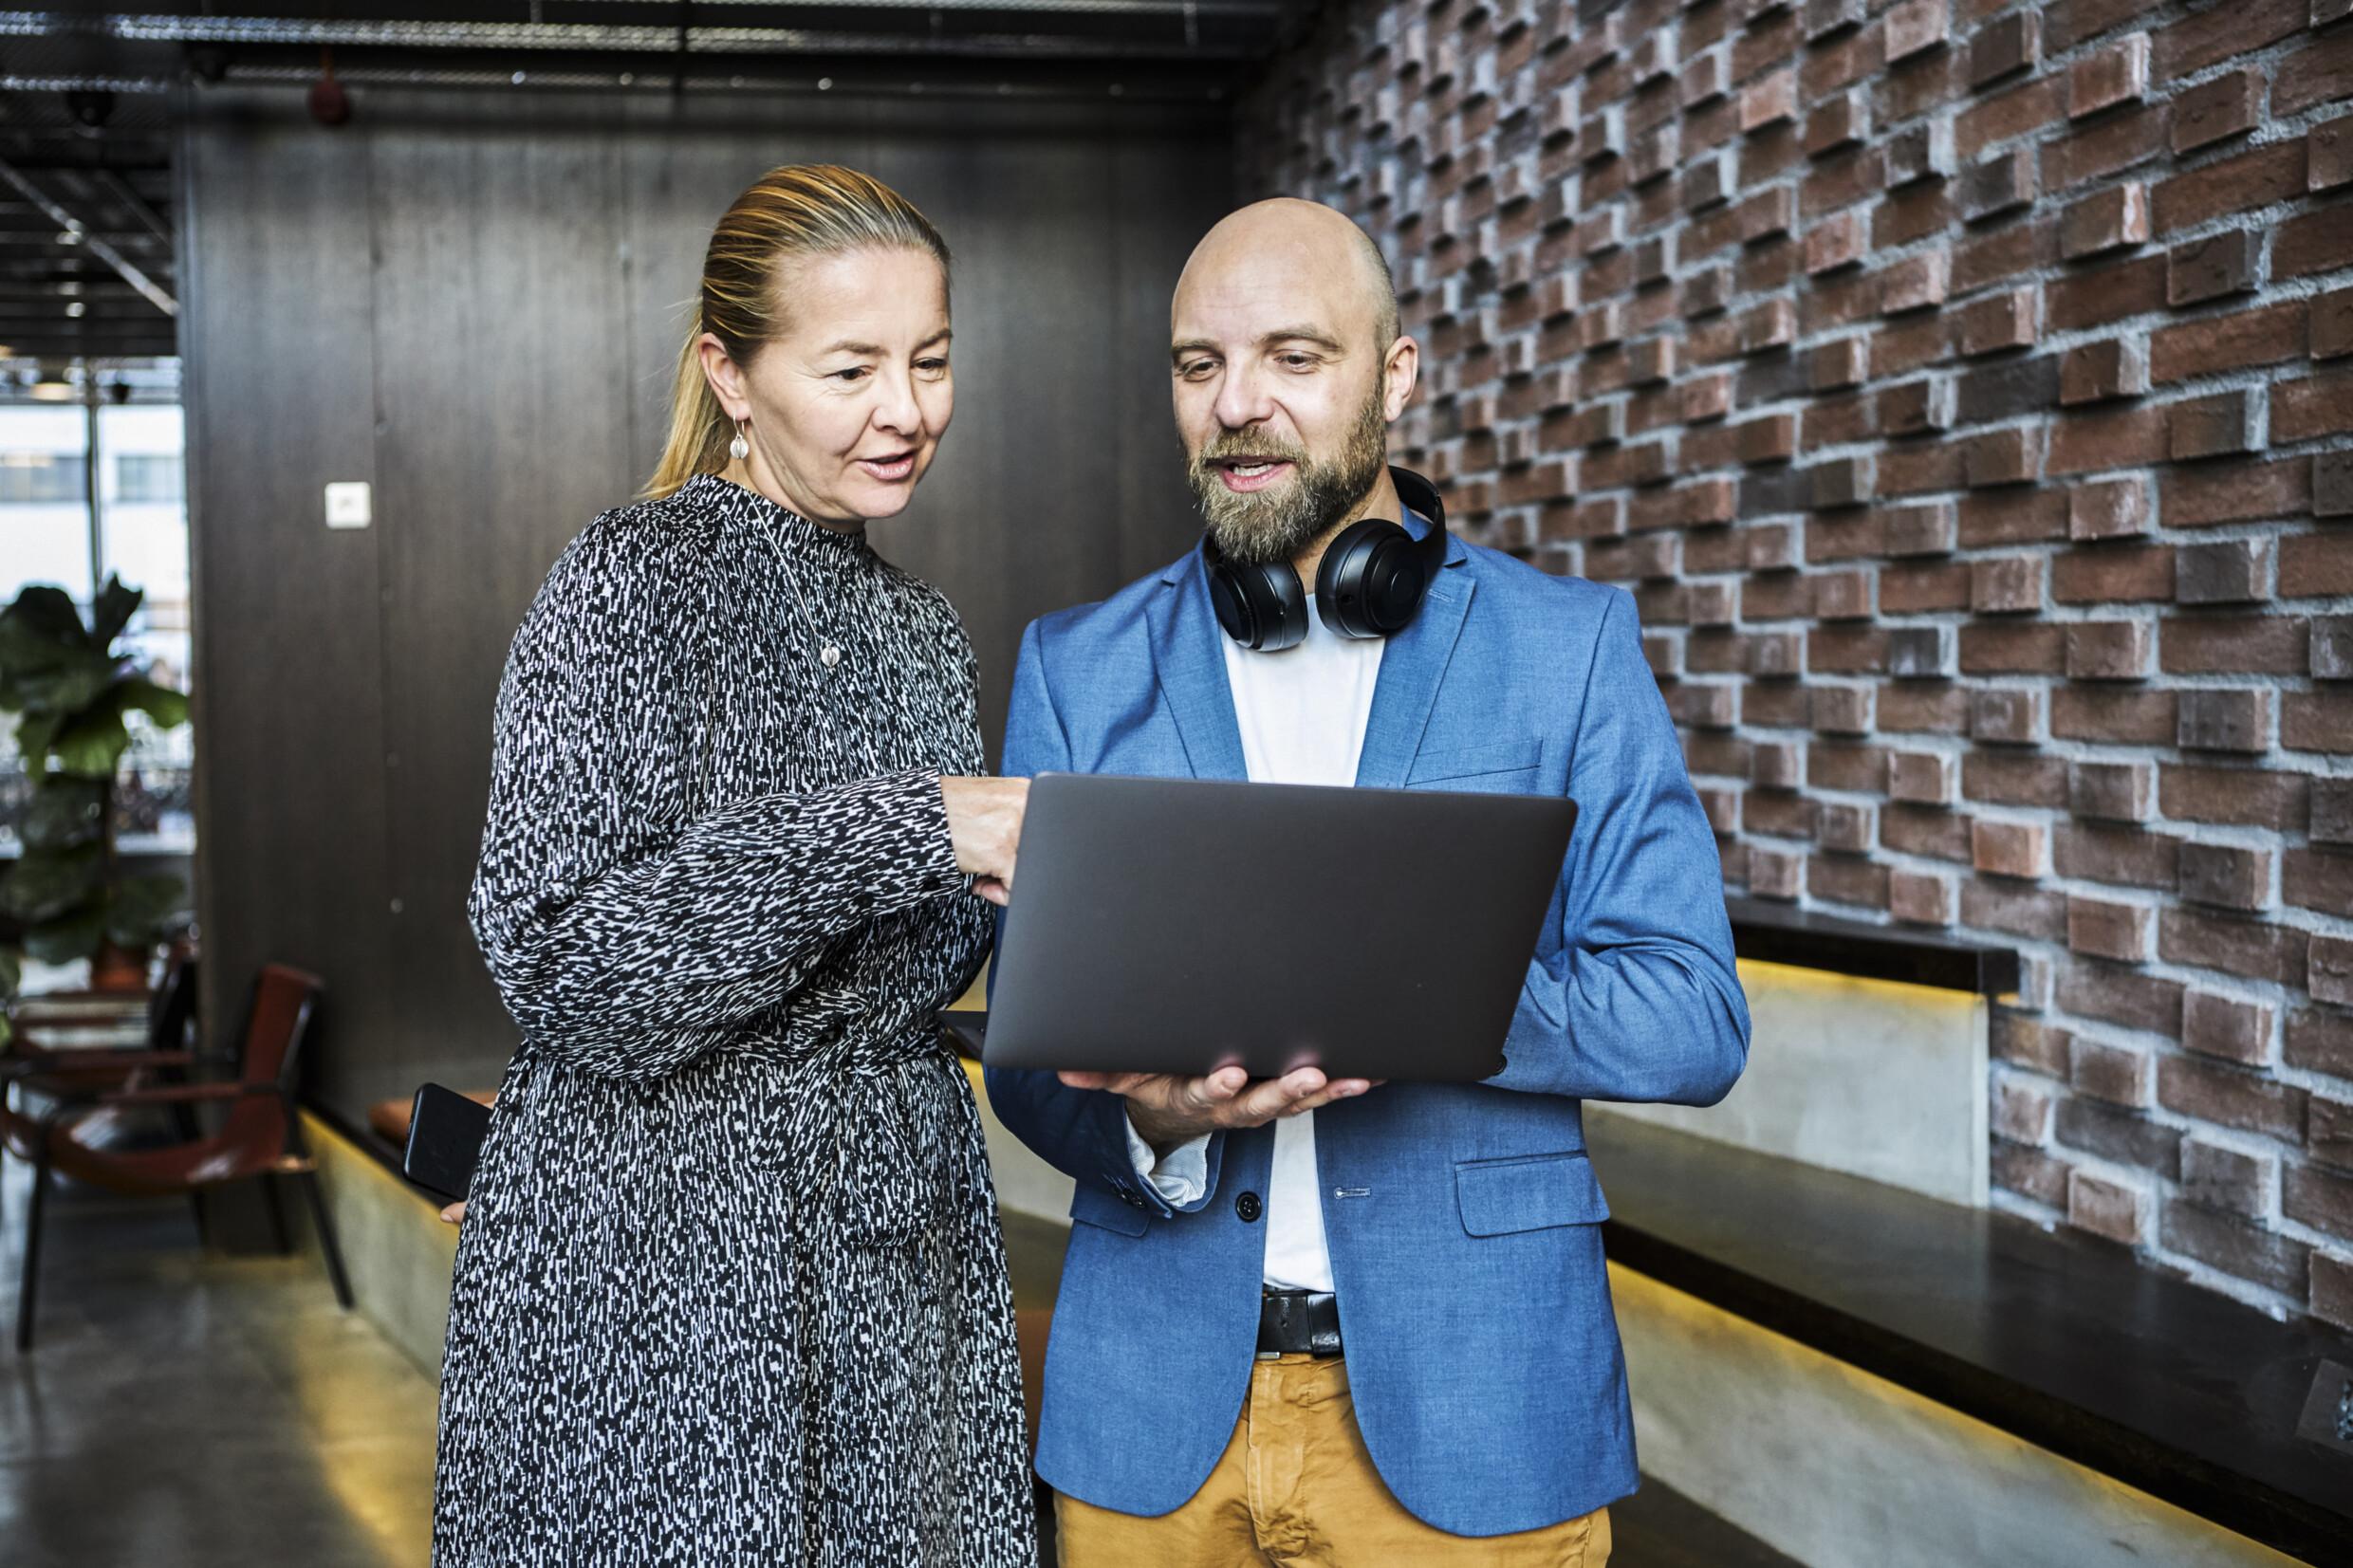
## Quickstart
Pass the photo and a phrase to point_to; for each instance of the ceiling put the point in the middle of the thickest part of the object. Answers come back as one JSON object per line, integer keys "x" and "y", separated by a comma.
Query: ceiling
{"x": 87, "y": 95}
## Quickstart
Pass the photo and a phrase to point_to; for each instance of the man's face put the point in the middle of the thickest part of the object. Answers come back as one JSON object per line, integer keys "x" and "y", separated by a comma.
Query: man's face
{"x": 1279, "y": 389}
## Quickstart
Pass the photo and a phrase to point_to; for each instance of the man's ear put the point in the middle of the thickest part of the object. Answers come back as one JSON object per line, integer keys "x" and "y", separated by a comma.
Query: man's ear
{"x": 725, "y": 376}
{"x": 1399, "y": 373}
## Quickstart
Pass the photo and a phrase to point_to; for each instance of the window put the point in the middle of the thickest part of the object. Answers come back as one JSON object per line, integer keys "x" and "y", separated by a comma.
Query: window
{"x": 144, "y": 477}
{"x": 30, "y": 477}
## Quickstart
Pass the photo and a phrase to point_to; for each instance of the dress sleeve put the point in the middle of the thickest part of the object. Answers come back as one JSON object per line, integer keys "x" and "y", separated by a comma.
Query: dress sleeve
{"x": 626, "y": 927}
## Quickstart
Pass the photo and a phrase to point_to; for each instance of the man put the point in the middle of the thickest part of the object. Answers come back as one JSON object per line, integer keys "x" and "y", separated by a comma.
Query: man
{"x": 1304, "y": 1322}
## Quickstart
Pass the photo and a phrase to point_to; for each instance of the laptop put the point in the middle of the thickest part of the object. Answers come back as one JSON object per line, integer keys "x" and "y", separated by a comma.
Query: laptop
{"x": 1183, "y": 924}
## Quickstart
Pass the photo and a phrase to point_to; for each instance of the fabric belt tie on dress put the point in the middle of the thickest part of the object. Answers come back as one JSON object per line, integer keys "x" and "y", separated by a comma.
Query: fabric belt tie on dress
{"x": 892, "y": 1126}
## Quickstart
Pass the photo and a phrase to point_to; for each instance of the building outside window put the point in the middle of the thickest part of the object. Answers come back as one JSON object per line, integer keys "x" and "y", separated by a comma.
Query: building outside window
{"x": 51, "y": 533}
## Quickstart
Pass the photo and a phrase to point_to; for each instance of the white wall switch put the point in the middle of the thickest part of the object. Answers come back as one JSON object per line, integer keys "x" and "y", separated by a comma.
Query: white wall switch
{"x": 348, "y": 505}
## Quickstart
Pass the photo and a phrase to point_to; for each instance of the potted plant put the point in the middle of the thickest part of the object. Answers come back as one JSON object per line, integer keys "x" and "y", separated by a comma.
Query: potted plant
{"x": 73, "y": 687}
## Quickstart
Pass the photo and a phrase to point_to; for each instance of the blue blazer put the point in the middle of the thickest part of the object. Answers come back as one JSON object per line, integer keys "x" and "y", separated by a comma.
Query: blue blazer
{"x": 1462, "y": 1219}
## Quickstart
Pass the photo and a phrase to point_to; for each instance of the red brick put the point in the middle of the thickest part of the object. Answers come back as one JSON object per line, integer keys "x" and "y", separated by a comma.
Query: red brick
{"x": 2251, "y": 796}
{"x": 2211, "y": 268}
{"x": 2212, "y": 111}
{"x": 2217, "y": 1177}
{"x": 2318, "y": 880}
{"x": 2332, "y": 325}
{"x": 2110, "y": 574}
{"x": 2231, "y": 571}
{"x": 2320, "y": 1041}
{"x": 2213, "y": 344}
{"x": 2231, "y": 944}
{"x": 2114, "y": 75}
{"x": 2092, "y": 441}
{"x": 2219, "y": 425}
{"x": 2107, "y": 1208}
{"x": 1999, "y": 322}
{"x": 2235, "y": 645}
{"x": 2313, "y": 406}
{"x": 2229, "y": 1097}
{"x": 2231, "y": 875}
{"x": 2329, "y": 154}
{"x": 2008, "y": 849}
{"x": 2233, "y": 719}
{"x": 2109, "y": 649}
{"x": 2332, "y": 970}
{"x": 2112, "y": 508}
{"x": 2261, "y": 176}
{"x": 2095, "y": 372}
{"x": 2011, "y": 43}
{"x": 2321, "y": 1199}
{"x": 2105, "y": 220}
{"x": 2006, "y": 586}
{"x": 2021, "y": 1112}
{"x": 2106, "y": 928}
{"x": 1914, "y": 27}
{"x": 2317, "y": 241}
{"x": 2006, "y": 715}
{"x": 2237, "y": 492}
{"x": 2011, "y": 456}
{"x": 2110, "y": 791}
{"x": 2317, "y": 721}
{"x": 2118, "y": 1075}
{"x": 1915, "y": 282}
{"x": 2332, "y": 1277}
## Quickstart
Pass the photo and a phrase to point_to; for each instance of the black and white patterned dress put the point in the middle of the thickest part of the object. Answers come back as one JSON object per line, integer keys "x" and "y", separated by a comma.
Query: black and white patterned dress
{"x": 731, "y": 1289}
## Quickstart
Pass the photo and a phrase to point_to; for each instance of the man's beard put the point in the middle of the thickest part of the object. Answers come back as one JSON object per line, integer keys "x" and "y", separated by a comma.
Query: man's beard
{"x": 1275, "y": 524}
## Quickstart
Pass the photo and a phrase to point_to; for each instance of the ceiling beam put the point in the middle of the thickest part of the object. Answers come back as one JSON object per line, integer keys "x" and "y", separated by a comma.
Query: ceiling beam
{"x": 68, "y": 224}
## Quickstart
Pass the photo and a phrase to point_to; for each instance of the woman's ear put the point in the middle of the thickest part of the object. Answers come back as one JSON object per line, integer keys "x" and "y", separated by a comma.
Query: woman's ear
{"x": 725, "y": 376}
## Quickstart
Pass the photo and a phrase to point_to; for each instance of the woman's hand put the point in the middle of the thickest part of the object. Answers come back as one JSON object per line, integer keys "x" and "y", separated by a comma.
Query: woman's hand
{"x": 984, "y": 822}
{"x": 455, "y": 1213}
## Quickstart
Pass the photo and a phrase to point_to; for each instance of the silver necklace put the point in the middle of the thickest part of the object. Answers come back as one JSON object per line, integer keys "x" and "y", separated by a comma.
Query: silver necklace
{"x": 828, "y": 652}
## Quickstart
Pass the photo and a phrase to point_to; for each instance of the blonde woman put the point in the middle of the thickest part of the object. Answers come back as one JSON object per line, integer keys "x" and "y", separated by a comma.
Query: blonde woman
{"x": 731, "y": 1288}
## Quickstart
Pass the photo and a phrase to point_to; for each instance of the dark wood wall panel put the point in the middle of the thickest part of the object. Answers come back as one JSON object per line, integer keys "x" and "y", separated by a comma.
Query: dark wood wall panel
{"x": 288, "y": 658}
{"x": 476, "y": 303}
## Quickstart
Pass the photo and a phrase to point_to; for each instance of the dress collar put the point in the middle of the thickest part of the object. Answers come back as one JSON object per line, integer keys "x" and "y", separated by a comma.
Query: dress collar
{"x": 738, "y": 506}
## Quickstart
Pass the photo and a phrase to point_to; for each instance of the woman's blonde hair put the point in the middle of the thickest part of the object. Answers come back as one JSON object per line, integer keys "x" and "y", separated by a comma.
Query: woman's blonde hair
{"x": 796, "y": 211}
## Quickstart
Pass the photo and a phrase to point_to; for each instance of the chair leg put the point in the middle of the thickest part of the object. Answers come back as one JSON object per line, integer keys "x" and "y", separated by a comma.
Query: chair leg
{"x": 29, "y": 1280}
{"x": 277, "y": 1215}
{"x": 327, "y": 1238}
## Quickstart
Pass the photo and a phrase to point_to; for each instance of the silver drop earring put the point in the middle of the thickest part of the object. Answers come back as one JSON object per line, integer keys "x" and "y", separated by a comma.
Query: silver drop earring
{"x": 740, "y": 448}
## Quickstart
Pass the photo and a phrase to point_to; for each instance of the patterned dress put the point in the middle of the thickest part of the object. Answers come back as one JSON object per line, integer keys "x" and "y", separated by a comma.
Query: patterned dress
{"x": 731, "y": 1288}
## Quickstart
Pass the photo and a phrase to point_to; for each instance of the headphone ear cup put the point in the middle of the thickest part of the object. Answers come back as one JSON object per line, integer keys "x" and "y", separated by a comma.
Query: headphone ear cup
{"x": 1263, "y": 608}
{"x": 1371, "y": 581}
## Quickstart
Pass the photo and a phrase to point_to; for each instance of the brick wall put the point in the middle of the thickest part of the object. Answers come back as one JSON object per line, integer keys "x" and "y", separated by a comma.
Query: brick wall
{"x": 1964, "y": 393}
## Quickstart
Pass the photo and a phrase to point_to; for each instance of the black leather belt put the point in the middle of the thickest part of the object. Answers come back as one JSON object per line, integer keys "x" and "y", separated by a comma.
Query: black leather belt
{"x": 1298, "y": 1322}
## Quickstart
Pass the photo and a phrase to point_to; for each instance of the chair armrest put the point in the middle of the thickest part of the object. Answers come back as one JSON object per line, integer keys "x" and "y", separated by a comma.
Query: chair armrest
{"x": 185, "y": 1094}
{"x": 44, "y": 1060}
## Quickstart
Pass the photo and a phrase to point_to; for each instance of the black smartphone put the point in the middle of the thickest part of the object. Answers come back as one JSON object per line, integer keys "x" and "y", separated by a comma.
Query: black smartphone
{"x": 445, "y": 1139}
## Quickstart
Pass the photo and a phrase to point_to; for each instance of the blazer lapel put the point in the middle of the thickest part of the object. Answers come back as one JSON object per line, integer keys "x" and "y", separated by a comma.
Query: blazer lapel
{"x": 1192, "y": 669}
{"x": 1411, "y": 668}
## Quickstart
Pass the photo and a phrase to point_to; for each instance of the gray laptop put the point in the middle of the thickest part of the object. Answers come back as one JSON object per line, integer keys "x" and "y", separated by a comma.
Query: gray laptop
{"x": 1180, "y": 925}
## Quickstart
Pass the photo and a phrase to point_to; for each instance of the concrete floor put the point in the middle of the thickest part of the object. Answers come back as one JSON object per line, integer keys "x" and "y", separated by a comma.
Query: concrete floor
{"x": 211, "y": 1411}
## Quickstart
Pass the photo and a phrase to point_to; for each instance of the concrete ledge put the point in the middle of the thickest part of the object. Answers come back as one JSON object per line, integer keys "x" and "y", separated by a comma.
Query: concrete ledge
{"x": 1841, "y": 1469}
{"x": 396, "y": 1248}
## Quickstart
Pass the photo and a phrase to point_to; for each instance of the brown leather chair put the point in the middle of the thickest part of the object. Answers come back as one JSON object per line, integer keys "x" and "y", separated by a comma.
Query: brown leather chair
{"x": 59, "y": 1070}
{"x": 261, "y": 1134}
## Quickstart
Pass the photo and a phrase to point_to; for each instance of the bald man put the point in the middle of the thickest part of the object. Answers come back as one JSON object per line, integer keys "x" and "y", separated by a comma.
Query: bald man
{"x": 1333, "y": 1322}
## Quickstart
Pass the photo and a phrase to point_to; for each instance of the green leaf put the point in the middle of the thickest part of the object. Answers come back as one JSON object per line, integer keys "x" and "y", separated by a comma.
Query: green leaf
{"x": 44, "y": 613}
{"x": 75, "y": 935}
{"x": 48, "y": 883}
{"x": 33, "y": 733}
{"x": 91, "y": 743}
{"x": 141, "y": 908}
{"x": 64, "y": 687}
{"x": 64, "y": 812}
{"x": 167, "y": 707}
{"x": 116, "y": 605}
{"x": 11, "y": 976}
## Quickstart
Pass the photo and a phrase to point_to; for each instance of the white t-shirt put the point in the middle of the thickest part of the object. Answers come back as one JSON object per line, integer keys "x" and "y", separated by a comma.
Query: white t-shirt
{"x": 1302, "y": 713}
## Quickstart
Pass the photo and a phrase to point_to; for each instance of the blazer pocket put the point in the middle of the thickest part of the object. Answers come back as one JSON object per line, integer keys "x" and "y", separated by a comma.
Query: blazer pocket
{"x": 1486, "y": 763}
{"x": 1536, "y": 1193}
{"x": 1091, "y": 1205}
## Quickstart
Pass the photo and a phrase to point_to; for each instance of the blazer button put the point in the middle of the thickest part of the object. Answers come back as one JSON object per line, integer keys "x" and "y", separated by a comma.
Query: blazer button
{"x": 1248, "y": 1208}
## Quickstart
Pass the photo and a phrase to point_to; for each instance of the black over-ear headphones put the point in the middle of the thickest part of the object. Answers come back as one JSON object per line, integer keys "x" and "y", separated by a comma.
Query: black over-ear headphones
{"x": 1370, "y": 583}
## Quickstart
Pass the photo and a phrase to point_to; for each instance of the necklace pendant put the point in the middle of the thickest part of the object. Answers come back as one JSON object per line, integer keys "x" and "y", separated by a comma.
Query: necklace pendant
{"x": 829, "y": 656}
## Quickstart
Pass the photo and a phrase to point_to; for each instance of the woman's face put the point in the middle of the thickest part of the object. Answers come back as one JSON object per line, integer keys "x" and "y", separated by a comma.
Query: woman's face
{"x": 848, "y": 403}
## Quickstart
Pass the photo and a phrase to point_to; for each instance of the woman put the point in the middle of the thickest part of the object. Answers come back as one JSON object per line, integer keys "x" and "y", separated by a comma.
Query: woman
{"x": 730, "y": 1287}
